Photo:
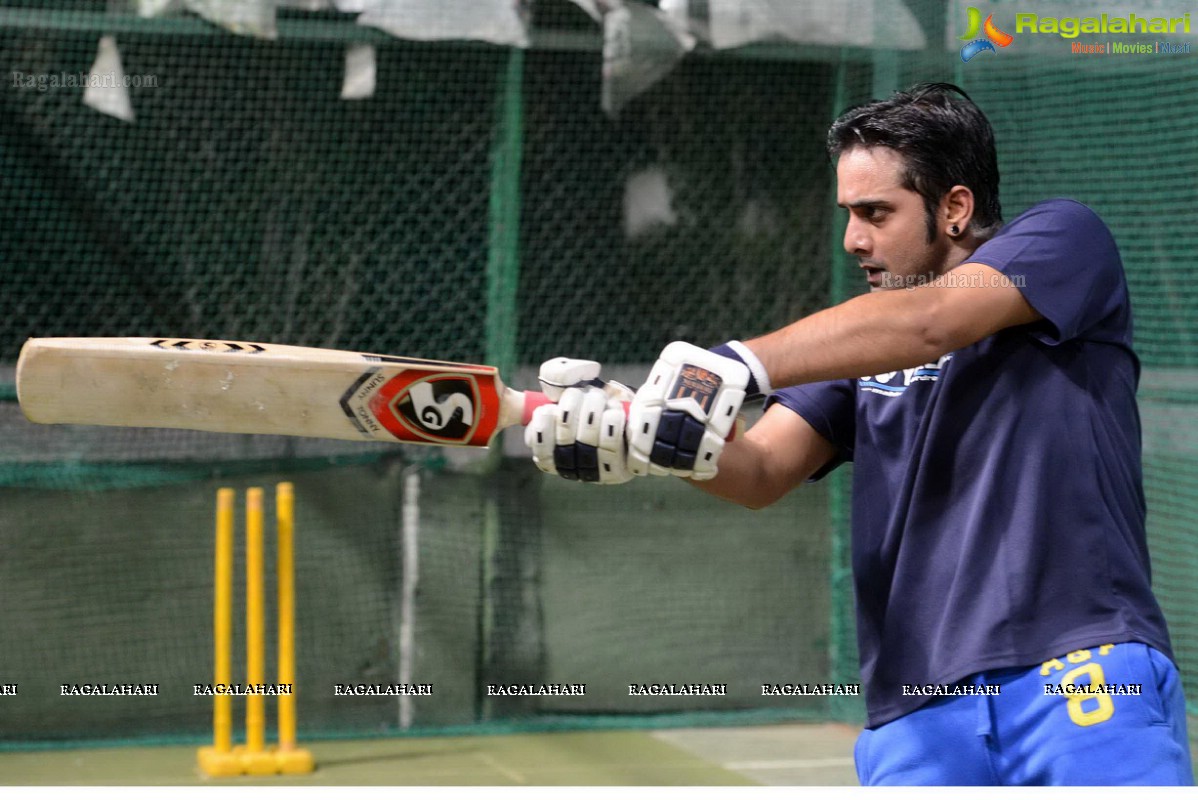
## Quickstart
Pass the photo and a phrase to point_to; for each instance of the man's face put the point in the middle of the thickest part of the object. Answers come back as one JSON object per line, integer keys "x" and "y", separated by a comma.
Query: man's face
{"x": 887, "y": 229}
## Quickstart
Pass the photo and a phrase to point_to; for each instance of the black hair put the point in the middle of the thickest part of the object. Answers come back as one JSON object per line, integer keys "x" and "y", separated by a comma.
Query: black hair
{"x": 944, "y": 139}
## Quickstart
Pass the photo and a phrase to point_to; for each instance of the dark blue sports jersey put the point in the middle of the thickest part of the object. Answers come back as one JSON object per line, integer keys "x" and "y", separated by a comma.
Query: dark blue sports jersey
{"x": 998, "y": 508}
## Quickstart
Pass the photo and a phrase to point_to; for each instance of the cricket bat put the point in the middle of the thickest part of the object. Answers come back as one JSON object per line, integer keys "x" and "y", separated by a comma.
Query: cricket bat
{"x": 243, "y": 387}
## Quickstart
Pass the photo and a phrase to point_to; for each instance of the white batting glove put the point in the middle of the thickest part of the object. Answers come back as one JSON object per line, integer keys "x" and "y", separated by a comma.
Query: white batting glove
{"x": 581, "y": 435}
{"x": 679, "y": 420}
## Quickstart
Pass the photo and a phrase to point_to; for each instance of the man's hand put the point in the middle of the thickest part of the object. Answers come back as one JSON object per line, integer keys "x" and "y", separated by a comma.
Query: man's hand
{"x": 679, "y": 419}
{"x": 581, "y": 436}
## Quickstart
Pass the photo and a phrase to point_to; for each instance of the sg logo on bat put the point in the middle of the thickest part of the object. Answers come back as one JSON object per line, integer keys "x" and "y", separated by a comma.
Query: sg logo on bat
{"x": 416, "y": 406}
{"x": 440, "y": 408}
{"x": 208, "y": 346}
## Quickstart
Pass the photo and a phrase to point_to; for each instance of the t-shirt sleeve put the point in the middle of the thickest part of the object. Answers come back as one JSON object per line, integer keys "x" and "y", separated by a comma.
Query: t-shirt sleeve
{"x": 830, "y": 407}
{"x": 1065, "y": 261}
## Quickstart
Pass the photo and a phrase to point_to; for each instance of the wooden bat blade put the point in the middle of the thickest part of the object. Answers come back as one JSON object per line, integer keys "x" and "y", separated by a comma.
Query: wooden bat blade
{"x": 246, "y": 387}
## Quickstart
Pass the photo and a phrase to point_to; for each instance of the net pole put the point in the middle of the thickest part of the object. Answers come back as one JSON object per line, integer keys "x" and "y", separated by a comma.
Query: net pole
{"x": 410, "y": 576}
{"x": 503, "y": 282}
{"x": 503, "y": 251}
{"x": 839, "y": 490}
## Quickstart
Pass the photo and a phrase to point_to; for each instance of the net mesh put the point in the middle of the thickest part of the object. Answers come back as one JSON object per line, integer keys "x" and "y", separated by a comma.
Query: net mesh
{"x": 1120, "y": 144}
{"x": 480, "y": 206}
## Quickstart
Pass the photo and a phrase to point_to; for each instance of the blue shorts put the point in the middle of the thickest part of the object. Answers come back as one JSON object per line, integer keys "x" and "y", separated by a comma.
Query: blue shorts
{"x": 1043, "y": 727}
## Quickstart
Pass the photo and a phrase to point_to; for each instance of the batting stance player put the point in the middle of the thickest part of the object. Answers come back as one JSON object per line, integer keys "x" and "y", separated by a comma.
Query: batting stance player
{"x": 999, "y": 550}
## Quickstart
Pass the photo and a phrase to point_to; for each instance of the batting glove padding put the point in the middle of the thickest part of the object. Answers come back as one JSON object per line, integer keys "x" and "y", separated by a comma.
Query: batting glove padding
{"x": 581, "y": 436}
{"x": 680, "y": 418}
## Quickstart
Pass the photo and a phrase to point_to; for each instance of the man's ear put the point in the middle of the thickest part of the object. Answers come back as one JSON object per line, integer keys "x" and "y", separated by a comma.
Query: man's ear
{"x": 956, "y": 210}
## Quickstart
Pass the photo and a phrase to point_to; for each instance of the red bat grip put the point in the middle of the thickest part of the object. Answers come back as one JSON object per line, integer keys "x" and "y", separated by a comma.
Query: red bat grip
{"x": 532, "y": 401}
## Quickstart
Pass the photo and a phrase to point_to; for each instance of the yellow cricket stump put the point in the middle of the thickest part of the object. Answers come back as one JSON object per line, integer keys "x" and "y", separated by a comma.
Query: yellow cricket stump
{"x": 223, "y": 759}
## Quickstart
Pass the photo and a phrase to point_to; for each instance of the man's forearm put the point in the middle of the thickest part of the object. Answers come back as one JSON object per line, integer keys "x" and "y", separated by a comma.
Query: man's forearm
{"x": 866, "y": 335}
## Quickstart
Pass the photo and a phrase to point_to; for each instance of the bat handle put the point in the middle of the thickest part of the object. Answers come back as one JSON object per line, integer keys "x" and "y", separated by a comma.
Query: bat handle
{"x": 532, "y": 401}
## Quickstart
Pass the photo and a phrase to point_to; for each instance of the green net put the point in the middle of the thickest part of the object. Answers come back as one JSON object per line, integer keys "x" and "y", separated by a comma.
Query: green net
{"x": 482, "y": 206}
{"x": 1121, "y": 145}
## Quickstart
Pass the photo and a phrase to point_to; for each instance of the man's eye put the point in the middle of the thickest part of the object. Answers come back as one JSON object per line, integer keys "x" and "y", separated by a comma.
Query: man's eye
{"x": 873, "y": 213}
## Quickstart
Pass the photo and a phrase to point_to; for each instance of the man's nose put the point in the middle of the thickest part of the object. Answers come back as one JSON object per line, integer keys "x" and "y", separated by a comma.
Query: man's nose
{"x": 856, "y": 238}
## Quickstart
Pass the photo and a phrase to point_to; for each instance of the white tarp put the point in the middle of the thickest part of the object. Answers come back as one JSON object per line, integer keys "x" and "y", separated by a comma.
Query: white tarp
{"x": 849, "y": 23}
{"x": 502, "y": 22}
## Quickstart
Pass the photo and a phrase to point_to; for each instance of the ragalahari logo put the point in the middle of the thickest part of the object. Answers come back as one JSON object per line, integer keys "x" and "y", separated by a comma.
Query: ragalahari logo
{"x": 993, "y": 36}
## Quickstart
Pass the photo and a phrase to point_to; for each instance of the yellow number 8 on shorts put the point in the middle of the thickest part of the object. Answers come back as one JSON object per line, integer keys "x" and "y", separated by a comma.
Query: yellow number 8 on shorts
{"x": 1078, "y": 697}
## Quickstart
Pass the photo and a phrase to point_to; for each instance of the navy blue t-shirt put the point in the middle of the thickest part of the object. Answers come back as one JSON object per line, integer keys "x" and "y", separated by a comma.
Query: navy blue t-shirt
{"x": 998, "y": 508}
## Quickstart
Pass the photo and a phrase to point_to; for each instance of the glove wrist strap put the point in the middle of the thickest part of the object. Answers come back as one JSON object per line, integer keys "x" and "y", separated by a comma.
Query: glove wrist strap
{"x": 759, "y": 379}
